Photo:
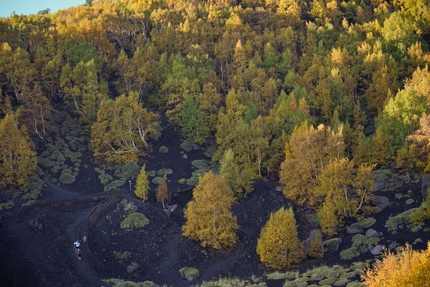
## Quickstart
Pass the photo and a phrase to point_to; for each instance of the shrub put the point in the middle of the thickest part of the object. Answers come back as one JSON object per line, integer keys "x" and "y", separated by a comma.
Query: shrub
{"x": 121, "y": 256}
{"x": 366, "y": 223}
{"x": 187, "y": 272}
{"x": 134, "y": 220}
{"x": 349, "y": 253}
{"x": 200, "y": 164}
{"x": 105, "y": 178}
{"x": 163, "y": 149}
{"x": 67, "y": 178}
{"x": 128, "y": 170}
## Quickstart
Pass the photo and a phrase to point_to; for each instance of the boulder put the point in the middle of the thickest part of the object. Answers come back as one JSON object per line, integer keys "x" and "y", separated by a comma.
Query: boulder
{"x": 133, "y": 267}
{"x": 381, "y": 202}
{"x": 377, "y": 249}
{"x": 354, "y": 228}
{"x": 372, "y": 233}
{"x": 172, "y": 208}
{"x": 332, "y": 245}
{"x": 308, "y": 242}
{"x": 393, "y": 245}
{"x": 378, "y": 186}
{"x": 425, "y": 184}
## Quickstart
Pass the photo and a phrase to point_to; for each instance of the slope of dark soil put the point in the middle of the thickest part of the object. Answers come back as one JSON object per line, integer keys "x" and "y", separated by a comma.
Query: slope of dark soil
{"x": 36, "y": 241}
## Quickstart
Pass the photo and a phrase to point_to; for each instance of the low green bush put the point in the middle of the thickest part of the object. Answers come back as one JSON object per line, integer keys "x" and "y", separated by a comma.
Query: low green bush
{"x": 367, "y": 222}
{"x": 189, "y": 272}
{"x": 349, "y": 253}
{"x": 134, "y": 220}
{"x": 163, "y": 149}
{"x": 67, "y": 178}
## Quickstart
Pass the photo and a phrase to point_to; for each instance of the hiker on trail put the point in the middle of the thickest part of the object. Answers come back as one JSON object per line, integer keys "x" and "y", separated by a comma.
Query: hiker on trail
{"x": 79, "y": 253}
{"x": 77, "y": 244}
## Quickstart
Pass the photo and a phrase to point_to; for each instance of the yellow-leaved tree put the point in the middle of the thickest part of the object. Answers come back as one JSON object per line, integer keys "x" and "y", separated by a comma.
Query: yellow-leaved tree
{"x": 346, "y": 192}
{"x": 163, "y": 194}
{"x": 407, "y": 268}
{"x": 307, "y": 153}
{"x": 120, "y": 133}
{"x": 17, "y": 159}
{"x": 279, "y": 245}
{"x": 209, "y": 216}
{"x": 142, "y": 184}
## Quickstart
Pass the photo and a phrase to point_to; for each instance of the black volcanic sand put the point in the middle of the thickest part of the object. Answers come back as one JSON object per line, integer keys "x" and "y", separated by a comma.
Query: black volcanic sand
{"x": 42, "y": 254}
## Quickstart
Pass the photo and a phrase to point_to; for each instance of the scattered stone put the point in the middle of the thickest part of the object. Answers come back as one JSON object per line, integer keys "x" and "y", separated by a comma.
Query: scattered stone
{"x": 133, "y": 208}
{"x": 372, "y": 233}
{"x": 133, "y": 267}
{"x": 279, "y": 188}
{"x": 185, "y": 156}
{"x": 377, "y": 249}
{"x": 378, "y": 186}
{"x": 36, "y": 224}
{"x": 393, "y": 245}
{"x": 308, "y": 242}
{"x": 381, "y": 202}
{"x": 195, "y": 147}
{"x": 172, "y": 208}
{"x": 425, "y": 183}
{"x": 399, "y": 196}
{"x": 332, "y": 245}
{"x": 354, "y": 228}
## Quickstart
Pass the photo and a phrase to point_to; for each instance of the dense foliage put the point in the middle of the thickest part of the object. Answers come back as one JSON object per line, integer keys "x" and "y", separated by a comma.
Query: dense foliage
{"x": 406, "y": 268}
{"x": 307, "y": 90}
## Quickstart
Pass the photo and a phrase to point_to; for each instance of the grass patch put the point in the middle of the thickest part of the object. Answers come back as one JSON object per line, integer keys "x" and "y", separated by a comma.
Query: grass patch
{"x": 182, "y": 181}
{"x": 276, "y": 276}
{"x": 401, "y": 218}
{"x": 358, "y": 240}
{"x": 187, "y": 146}
{"x": 372, "y": 241}
{"x": 200, "y": 164}
{"x": 128, "y": 170}
{"x": 6, "y": 205}
{"x": 105, "y": 178}
{"x": 121, "y": 256}
{"x": 163, "y": 171}
{"x": 349, "y": 253}
{"x": 134, "y": 220}
{"x": 328, "y": 281}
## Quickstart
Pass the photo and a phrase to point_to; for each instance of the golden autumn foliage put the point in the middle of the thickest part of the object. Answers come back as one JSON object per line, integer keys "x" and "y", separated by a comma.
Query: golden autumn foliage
{"x": 142, "y": 184}
{"x": 346, "y": 191}
{"x": 121, "y": 130}
{"x": 408, "y": 268}
{"x": 209, "y": 216}
{"x": 279, "y": 245}
{"x": 17, "y": 159}
{"x": 307, "y": 153}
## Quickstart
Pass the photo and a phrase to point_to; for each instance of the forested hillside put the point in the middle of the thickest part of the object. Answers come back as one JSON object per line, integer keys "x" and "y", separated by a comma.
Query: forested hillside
{"x": 317, "y": 94}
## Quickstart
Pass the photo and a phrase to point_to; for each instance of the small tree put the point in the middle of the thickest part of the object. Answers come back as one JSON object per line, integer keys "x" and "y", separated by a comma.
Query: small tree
{"x": 407, "y": 268}
{"x": 209, "y": 218}
{"x": 142, "y": 184}
{"x": 163, "y": 194}
{"x": 279, "y": 245}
